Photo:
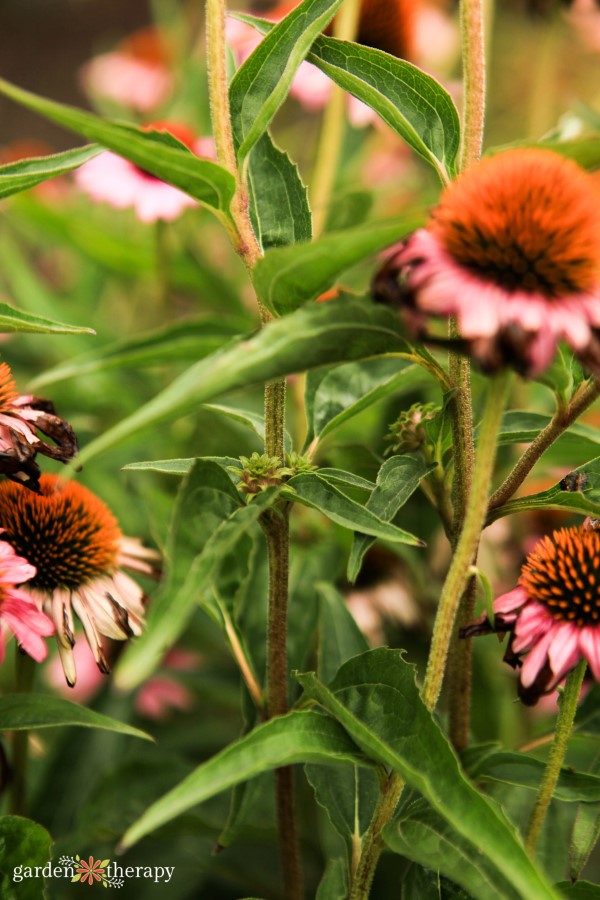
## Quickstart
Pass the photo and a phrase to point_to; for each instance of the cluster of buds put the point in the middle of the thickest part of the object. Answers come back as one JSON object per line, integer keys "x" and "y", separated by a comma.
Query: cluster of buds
{"x": 408, "y": 433}
{"x": 261, "y": 471}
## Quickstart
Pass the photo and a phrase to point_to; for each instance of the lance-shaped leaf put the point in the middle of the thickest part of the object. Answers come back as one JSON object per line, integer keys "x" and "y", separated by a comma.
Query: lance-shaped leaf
{"x": 527, "y": 771}
{"x": 261, "y": 84}
{"x": 310, "y": 490}
{"x": 328, "y": 332}
{"x": 287, "y": 277}
{"x": 298, "y": 737}
{"x": 23, "y": 712}
{"x": 26, "y": 173}
{"x": 374, "y": 696}
{"x": 279, "y": 206}
{"x": 411, "y": 102}
{"x": 398, "y": 478}
{"x": 580, "y": 493}
{"x": 12, "y": 320}
{"x": 153, "y": 151}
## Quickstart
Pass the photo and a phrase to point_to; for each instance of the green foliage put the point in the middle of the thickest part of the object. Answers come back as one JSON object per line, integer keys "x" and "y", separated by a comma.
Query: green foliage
{"x": 25, "y": 174}
{"x": 22, "y": 712}
{"x": 23, "y": 843}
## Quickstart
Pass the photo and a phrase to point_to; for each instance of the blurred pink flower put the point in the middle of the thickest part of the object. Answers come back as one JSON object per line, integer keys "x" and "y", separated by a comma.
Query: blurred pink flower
{"x": 162, "y": 693}
{"x": 513, "y": 250}
{"x": 109, "y": 178}
{"x": 584, "y": 16}
{"x": 18, "y": 612}
{"x": 135, "y": 75}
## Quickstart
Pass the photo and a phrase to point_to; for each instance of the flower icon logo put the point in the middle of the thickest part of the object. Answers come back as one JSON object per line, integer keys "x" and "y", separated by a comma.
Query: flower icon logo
{"x": 90, "y": 871}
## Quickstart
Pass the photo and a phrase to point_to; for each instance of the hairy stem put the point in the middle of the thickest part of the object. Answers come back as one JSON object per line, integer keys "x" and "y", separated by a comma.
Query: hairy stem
{"x": 472, "y": 28}
{"x": 345, "y": 26}
{"x": 567, "y": 707}
{"x": 24, "y": 678}
{"x": 561, "y": 420}
{"x": 467, "y": 543}
{"x": 275, "y": 523}
{"x": 372, "y": 841}
{"x": 460, "y": 669}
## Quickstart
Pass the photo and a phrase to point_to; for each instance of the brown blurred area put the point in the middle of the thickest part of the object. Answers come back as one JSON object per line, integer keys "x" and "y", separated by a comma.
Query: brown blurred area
{"x": 42, "y": 45}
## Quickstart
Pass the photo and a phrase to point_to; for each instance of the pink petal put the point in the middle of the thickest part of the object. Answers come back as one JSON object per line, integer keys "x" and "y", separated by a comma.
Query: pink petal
{"x": 535, "y": 659}
{"x": 564, "y": 652}
{"x": 512, "y": 600}
{"x": 589, "y": 643}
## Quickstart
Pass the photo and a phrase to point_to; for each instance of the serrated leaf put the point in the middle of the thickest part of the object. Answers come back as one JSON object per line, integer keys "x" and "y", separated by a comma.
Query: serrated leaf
{"x": 191, "y": 339}
{"x": 279, "y": 207}
{"x": 23, "y": 712}
{"x": 397, "y": 480}
{"x": 152, "y": 151}
{"x": 304, "y": 736}
{"x": 287, "y": 277}
{"x": 409, "y": 100}
{"x": 310, "y": 490}
{"x": 585, "y": 501}
{"x": 13, "y": 320}
{"x": 374, "y": 696}
{"x": 334, "y": 396}
{"x": 261, "y": 84}
{"x": 326, "y": 332}
{"x": 22, "y": 843}
{"x": 27, "y": 173}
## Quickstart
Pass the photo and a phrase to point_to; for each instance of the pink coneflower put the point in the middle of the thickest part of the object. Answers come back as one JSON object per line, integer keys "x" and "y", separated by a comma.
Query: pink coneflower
{"x": 553, "y": 616}
{"x": 109, "y": 178}
{"x": 513, "y": 250}
{"x": 22, "y": 417}
{"x": 75, "y": 544}
{"x": 162, "y": 694}
{"x": 18, "y": 612}
{"x": 135, "y": 75}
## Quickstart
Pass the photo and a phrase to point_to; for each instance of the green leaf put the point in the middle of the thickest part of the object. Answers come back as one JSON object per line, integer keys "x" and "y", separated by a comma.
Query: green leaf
{"x": 305, "y": 736}
{"x": 310, "y": 490}
{"x": 206, "y": 499}
{"x": 22, "y": 712}
{"x": 327, "y": 332}
{"x": 585, "y": 151}
{"x": 421, "y": 835}
{"x": 582, "y": 890}
{"x": 349, "y": 795}
{"x": 22, "y": 843}
{"x": 397, "y": 479}
{"x": 335, "y": 395}
{"x": 152, "y": 151}
{"x": 585, "y": 501}
{"x": 253, "y": 421}
{"x": 261, "y": 84}
{"x": 334, "y": 884}
{"x": 287, "y": 277}
{"x": 279, "y": 207}
{"x": 186, "y": 340}
{"x": 179, "y": 466}
{"x": 26, "y": 173}
{"x": 411, "y": 102}
{"x": 375, "y": 698}
{"x": 349, "y": 479}
{"x": 12, "y": 320}
{"x": 340, "y": 638}
{"x": 521, "y": 426}
{"x": 584, "y": 837}
{"x": 527, "y": 771}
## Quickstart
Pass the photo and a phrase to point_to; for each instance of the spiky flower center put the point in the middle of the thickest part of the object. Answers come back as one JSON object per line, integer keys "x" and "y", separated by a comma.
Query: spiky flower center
{"x": 8, "y": 390}
{"x": 525, "y": 220}
{"x": 65, "y": 531}
{"x": 563, "y": 574}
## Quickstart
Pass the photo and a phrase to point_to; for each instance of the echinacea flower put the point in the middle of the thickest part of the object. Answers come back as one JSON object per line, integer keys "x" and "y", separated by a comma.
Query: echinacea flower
{"x": 553, "y": 616}
{"x": 18, "y": 612}
{"x": 22, "y": 416}
{"x": 77, "y": 548}
{"x": 135, "y": 75}
{"x": 513, "y": 251}
{"x": 109, "y": 178}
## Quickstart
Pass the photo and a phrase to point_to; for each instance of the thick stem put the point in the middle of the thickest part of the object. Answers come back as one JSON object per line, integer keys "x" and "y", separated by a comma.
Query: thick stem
{"x": 460, "y": 669}
{"x": 372, "y": 841}
{"x": 345, "y": 26}
{"x": 24, "y": 677}
{"x": 567, "y": 707}
{"x": 472, "y": 27}
{"x": 559, "y": 423}
{"x": 467, "y": 542}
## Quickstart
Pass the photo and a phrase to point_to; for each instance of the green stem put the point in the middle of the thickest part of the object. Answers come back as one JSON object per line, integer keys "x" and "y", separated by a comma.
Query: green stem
{"x": 372, "y": 842}
{"x": 472, "y": 28}
{"x": 24, "y": 677}
{"x": 467, "y": 543}
{"x": 345, "y": 27}
{"x": 561, "y": 420}
{"x": 460, "y": 667}
{"x": 567, "y": 707}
